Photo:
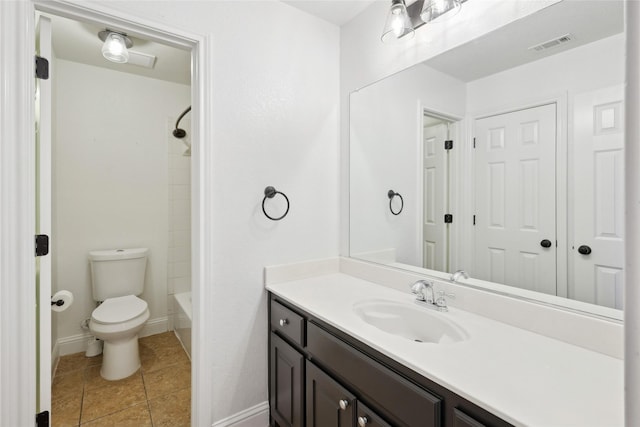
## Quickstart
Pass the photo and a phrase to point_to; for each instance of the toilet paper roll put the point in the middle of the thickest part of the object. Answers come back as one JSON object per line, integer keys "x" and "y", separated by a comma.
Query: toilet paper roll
{"x": 61, "y": 300}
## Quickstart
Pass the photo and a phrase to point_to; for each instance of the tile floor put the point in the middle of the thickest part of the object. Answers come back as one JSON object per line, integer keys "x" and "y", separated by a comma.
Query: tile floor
{"x": 159, "y": 394}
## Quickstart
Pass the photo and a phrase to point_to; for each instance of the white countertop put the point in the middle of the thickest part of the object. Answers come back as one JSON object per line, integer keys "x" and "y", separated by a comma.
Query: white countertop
{"x": 524, "y": 378}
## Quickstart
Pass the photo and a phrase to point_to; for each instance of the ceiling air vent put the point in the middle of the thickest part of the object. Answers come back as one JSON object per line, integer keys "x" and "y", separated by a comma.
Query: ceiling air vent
{"x": 551, "y": 43}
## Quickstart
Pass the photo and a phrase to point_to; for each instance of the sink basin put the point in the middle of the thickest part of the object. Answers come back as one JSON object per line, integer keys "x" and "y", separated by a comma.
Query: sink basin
{"x": 410, "y": 321}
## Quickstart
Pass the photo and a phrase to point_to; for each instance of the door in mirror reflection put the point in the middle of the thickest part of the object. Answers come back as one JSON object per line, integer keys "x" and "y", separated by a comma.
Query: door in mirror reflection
{"x": 435, "y": 172}
{"x": 515, "y": 212}
{"x": 597, "y": 246}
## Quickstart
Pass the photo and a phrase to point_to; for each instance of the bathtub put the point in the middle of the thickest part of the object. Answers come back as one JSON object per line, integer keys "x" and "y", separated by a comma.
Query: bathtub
{"x": 182, "y": 319}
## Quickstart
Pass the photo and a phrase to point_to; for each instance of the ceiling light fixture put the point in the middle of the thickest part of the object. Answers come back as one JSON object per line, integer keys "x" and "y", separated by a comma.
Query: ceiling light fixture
{"x": 402, "y": 21}
{"x": 115, "y": 46}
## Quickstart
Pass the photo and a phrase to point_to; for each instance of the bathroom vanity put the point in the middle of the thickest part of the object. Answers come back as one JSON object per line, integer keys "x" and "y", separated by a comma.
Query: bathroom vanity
{"x": 343, "y": 382}
{"x": 337, "y": 359}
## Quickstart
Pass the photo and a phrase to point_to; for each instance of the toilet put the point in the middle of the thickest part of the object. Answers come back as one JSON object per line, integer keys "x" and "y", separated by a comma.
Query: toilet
{"x": 117, "y": 278}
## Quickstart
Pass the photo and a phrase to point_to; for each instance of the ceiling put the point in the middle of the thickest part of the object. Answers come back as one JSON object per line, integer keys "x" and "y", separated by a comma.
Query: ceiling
{"x": 586, "y": 21}
{"x": 78, "y": 42}
{"x": 337, "y": 12}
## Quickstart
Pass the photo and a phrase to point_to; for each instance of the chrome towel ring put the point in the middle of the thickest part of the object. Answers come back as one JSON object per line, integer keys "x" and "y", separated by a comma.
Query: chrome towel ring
{"x": 391, "y": 194}
{"x": 269, "y": 193}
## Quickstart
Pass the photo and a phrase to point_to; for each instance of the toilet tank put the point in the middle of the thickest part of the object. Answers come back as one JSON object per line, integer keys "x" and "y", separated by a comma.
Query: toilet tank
{"x": 117, "y": 272}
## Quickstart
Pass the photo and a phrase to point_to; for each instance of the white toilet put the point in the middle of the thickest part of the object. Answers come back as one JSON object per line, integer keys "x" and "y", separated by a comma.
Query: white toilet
{"x": 117, "y": 277}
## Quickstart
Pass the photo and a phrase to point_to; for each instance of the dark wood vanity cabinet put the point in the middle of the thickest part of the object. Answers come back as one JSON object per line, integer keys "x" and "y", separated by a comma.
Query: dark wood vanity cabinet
{"x": 322, "y": 377}
{"x": 286, "y": 387}
{"x": 328, "y": 403}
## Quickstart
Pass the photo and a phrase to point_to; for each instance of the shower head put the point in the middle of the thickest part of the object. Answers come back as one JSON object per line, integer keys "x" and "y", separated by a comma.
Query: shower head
{"x": 177, "y": 132}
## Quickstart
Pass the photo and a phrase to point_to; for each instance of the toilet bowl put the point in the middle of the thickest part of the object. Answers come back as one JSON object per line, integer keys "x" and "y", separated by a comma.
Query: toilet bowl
{"x": 117, "y": 322}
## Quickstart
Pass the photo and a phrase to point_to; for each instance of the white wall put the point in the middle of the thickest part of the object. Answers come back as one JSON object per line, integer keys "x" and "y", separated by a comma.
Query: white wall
{"x": 385, "y": 145}
{"x": 111, "y": 180}
{"x": 275, "y": 122}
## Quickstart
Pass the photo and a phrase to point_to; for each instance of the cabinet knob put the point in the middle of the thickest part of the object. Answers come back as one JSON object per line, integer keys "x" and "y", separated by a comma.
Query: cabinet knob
{"x": 363, "y": 421}
{"x": 343, "y": 404}
{"x": 284, "y": 322}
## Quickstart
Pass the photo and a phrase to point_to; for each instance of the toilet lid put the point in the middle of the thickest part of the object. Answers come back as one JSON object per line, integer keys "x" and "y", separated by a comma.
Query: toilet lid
{"x": 119, "y": 309}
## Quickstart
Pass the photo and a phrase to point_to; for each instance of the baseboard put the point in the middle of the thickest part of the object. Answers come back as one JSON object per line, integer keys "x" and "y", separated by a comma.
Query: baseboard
{"x": 155, "y": 326}
{"x": 256, "y": 416}
{"x": 78, "y": 343}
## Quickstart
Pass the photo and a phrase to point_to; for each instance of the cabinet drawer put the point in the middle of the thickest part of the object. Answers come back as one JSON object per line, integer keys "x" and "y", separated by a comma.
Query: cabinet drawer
{"x": 287, "y": 323}
{"x": 397, "y": 399}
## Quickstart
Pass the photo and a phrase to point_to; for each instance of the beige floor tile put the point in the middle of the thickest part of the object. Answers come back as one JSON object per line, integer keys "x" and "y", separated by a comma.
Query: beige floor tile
{"x": 135, "y": 416}
{"x": 172, "y": 410}
{"x": 167, "y": 380}
{"x": 71, "y": 362}
{"x": 93, "y": 379}
{"x": 161, "y": 357}
{"x": 167, "y": 339}
{"x": 68, "y": 386}
{"x": 107, "y": 399}
{"x": 95, "y": 360}
{"x": 65, "y": 412}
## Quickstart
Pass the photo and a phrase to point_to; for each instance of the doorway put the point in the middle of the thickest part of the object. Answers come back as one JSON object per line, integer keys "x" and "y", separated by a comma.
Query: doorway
{"x": 71, "y": 180}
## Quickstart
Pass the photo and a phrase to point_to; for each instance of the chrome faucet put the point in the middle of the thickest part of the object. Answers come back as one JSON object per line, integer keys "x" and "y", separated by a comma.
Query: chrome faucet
{"x": 455, "y": 276}
{"x": 423, "y": 291}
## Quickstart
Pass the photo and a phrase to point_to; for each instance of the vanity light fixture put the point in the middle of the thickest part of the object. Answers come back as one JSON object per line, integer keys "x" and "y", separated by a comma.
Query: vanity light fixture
{"x": 398, "y": 23}
{"x": 403, "y": 20}
{"x": 434, "y": 9}
{"x": 115, "y": 46}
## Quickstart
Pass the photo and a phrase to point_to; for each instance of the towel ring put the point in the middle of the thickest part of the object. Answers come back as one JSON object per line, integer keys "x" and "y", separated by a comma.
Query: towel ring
{"x": 269, "y": 193}
{"x": 391, "y": 194}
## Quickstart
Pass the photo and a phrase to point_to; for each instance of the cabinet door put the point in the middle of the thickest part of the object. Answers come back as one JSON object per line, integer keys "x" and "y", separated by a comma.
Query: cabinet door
{"x": 365, "y": 417}
{"x": 287, "y": 384}
{"x": 328, "y": 403}
{"x": 463, "y": 420}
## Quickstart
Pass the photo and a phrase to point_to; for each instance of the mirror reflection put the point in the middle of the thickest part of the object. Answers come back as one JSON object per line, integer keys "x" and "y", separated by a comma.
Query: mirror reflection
{"x": 508, "y": 156}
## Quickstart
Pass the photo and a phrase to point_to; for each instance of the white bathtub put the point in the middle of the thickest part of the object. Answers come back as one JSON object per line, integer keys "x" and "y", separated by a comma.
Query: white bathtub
{"x": 182, "y": 319}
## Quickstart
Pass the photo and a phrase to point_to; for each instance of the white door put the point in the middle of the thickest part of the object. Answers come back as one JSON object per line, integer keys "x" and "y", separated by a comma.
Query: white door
{"x": 598, "y": 202}
{"x": 435, "y": 191}
{"x": 43, "y": 221}
{"x": 515, "y": 215}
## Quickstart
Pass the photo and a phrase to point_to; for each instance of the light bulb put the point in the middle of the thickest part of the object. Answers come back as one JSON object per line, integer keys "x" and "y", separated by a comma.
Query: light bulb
{"x": 398, "y": 23}
{"x": 114, "y": 48}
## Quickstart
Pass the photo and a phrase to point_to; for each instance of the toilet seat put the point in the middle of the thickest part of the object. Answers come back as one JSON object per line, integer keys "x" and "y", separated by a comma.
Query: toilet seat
{"x": 119, "y": 309}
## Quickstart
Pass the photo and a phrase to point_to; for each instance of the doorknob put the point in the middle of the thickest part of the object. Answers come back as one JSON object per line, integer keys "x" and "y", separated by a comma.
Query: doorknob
{"x": 584, "y": 250}
{"x": 546, "y": 243}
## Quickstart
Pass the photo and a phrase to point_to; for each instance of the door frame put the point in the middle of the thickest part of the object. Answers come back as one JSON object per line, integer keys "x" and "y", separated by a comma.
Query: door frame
{"x": 17, "y": 197}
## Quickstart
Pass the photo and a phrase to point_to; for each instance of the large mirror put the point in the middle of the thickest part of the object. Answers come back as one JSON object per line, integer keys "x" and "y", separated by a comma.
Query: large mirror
{"x": 503, "y": 158}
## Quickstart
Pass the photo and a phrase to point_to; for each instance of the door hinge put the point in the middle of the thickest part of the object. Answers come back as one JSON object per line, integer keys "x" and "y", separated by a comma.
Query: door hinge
{"x": 474, "y": 220}
{"x": 448, "y": 218}
{"x": 42, "y": 419}
{"x": 448, "y": 144}
{"x": 474, "y": 142}
{"x": 42, "y": 244}
{"x": 42, "y": 68}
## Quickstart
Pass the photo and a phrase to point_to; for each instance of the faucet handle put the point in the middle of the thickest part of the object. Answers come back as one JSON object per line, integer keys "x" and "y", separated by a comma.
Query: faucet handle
{"x": 441, "y": 302}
